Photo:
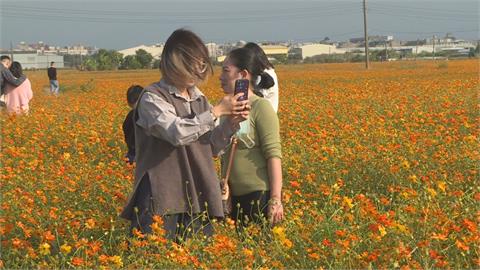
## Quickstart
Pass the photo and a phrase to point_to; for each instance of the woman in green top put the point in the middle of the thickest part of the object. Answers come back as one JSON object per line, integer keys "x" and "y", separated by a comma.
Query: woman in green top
{"x": 256, "y": 173}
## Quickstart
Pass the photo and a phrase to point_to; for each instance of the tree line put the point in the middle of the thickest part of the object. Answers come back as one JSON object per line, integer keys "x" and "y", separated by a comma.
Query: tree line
{"x": 105, "y": 59}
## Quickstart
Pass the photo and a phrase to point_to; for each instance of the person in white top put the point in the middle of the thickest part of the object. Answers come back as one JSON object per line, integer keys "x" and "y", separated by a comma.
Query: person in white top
{"x": 270, "y": 93}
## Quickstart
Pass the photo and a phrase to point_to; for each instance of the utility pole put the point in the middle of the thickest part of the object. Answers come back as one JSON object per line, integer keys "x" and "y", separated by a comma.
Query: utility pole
{"x": 434, "y": 47}
{"x": 11, "y": 50}
{"x": 365, "y": 32}
{"x": 416, "y": 50}
{"x": 386, "y": 51}
{"x": 478, "y": 47}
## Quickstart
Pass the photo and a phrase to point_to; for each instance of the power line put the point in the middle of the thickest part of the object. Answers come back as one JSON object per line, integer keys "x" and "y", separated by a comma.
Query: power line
{"x": 418, "y": 17}
{"x": 195, "y": 13}
{"x": 426, "y": 15}
{"x": 48, "y": 15}
{"x": 329, "y": 35}
{"x": 416, "y": 8}
{"x": 429, "y": 32}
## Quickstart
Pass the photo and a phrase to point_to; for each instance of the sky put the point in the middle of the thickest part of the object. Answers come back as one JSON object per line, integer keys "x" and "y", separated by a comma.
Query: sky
{"x": 120, "y": 24}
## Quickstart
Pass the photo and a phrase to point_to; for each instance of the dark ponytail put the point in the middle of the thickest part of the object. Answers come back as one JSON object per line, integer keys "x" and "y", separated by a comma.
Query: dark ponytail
{"x": 16, "y": 69}
{"x": 266, "y": 81}
{"x": 245, "y": 59}
{"x": 260, "y": 55}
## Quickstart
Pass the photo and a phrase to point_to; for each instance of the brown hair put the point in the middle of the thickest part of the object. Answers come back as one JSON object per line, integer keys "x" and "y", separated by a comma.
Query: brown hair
{"x": 185, "y": 58}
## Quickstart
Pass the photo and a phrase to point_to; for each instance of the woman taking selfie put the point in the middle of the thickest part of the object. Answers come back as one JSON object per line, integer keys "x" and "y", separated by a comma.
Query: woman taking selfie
{"x": 175, "y": 139}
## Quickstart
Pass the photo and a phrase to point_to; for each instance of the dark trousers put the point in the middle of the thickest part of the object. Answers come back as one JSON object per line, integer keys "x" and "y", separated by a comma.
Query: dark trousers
{"x": 178, "y": 227}
{"x": 250, "y": 207}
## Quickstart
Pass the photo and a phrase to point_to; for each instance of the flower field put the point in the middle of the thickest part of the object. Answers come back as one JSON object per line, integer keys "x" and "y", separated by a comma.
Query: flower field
{"x": 381, "y": 170}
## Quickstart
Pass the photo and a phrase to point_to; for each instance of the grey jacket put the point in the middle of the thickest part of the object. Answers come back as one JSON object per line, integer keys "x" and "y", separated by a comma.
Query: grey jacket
{"x": 7, "y": 77}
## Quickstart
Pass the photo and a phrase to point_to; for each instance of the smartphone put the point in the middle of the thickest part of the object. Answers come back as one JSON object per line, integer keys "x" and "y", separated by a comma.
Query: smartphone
{"x": 241, "y": 86}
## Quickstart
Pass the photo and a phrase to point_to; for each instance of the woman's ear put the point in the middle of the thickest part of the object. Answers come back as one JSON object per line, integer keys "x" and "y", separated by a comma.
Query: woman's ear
{"x": 244, "y": 73}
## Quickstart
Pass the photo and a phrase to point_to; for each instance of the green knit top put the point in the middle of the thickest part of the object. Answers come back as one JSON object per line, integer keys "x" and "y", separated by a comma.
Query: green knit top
{"x": 249, "y": 171}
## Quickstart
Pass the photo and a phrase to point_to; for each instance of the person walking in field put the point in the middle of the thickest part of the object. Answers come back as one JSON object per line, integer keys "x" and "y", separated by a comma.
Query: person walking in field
{"x": 255, "y": 180}
{"x": 52, "y": 76}
{"x": 175, "y": 140}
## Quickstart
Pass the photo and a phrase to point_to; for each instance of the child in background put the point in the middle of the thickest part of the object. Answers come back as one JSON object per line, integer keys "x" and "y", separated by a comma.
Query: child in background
{"x": 133, "y": 93}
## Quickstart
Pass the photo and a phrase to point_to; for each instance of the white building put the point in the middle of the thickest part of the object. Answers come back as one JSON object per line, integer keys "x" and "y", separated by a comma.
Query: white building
{"x": 34, "y": 60}
{"x": 428, "y": 48}
{"x": 155, "y": 50}
{"x": 75, "y": 50}
{"x": 311, "y": 50}
{"x": 212, "y": 49}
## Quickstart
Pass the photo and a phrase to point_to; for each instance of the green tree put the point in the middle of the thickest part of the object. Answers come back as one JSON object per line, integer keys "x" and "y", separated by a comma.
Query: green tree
{"x": 108, "y": 59}
{"x": 90, "y": 64}
{"x": 73, "y": 61}
{"x": 476, "y": 51}
{"x": 156, "y": 64}
{"x": 144, "y": 58}
{"x": 130, "y": 62}
{"x": 103, "y": 60}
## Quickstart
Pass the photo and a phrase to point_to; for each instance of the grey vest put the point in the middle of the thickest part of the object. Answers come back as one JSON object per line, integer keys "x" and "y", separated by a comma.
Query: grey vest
{"x": 183, "y": 178}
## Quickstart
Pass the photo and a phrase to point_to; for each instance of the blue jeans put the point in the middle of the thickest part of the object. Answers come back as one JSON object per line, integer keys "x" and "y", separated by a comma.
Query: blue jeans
{"x": 54, "y": 87}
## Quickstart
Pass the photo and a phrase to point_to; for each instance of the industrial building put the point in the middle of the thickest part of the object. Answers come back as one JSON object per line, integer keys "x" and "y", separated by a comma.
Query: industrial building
{"x": 155, "y": 50}
{"x": 35, "y": 60}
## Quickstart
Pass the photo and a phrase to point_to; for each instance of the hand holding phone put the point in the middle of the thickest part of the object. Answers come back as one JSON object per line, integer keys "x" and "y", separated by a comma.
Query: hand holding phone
{"x": 241, "y": 86}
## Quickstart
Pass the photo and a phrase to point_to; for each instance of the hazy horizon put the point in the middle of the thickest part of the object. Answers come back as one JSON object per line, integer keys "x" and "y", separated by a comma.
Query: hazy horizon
{"x": 120, "y": 24}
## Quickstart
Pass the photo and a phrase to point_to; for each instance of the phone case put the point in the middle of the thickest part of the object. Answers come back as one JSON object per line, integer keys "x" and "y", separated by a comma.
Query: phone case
{"x": 241, "y": 86}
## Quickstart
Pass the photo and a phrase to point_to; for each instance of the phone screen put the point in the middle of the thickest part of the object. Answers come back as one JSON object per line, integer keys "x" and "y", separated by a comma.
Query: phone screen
{"x": 241, "y": 86}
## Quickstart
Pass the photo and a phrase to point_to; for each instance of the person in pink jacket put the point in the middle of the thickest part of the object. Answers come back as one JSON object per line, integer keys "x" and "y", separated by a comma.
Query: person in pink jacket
{"x": 17, "y": 98}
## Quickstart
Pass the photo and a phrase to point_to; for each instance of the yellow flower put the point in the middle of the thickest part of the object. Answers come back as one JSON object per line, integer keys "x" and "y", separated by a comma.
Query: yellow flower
{"x": 336, "y": 187}
{"x": 66, "y": 156}
{"x": 117, "y": 260}
{"x": 402, "y": 228}
{"x": 432, "y": 192}
{"x": 382, "y": 230}
{"x": 413, "y": 178}
{"x": 65, "y": 249}
{"x": 441, "y": 185}
{"x": 44, "y": 249}
{"x": 347, "y": 202}
{"x": 279, "y": 233}
{"x": 248, "y": 252}
{"x": 470, "y": 139}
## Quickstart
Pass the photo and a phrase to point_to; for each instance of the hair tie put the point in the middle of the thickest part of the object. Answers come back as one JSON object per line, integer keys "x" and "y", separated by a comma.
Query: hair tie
{"x": 258, "y": 80}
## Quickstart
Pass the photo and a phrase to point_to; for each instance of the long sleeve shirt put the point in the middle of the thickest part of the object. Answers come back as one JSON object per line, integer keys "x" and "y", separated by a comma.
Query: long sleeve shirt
{"x": 159, "y": 119}
{"x": 249, "y": 172}
{"x": 52, "y": 73}
{"x": 7, "y": 77}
